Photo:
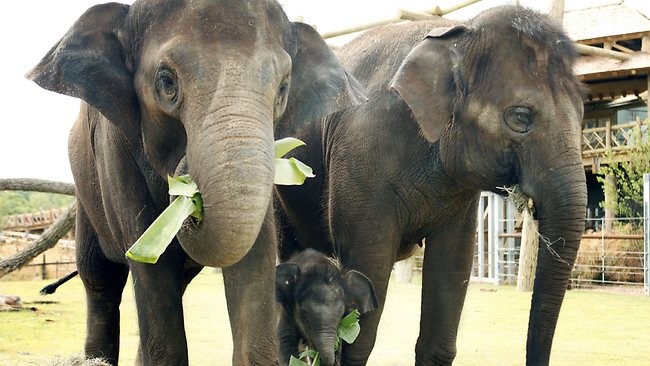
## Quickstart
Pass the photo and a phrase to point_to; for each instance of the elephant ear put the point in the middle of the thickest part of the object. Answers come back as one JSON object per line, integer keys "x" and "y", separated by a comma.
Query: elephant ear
{"x": 89, "y": 63}
{"x": 428, "y": 81}
{"x": 320, "y": 86}
{"x": 286, "y": 275}
{"x": 360, "y": 294}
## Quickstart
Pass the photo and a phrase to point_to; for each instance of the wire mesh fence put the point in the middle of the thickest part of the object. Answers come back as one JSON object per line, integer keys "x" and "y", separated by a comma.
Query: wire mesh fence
{"x": 605, "y": 258}
{"x": 612, "y": 251}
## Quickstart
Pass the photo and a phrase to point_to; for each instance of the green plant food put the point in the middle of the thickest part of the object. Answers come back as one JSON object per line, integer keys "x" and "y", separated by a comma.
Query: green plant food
{"x": 348, "y": 330}
{"x": 289, "y": 171}
{"x": 153, "y": 242}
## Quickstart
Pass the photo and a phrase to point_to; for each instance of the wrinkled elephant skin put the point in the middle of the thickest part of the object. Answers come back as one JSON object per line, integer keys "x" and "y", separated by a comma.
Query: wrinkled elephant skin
{"x": 198, "y": 87}
{"x": 454, "y": 109}
{"x": 316, "y": 292}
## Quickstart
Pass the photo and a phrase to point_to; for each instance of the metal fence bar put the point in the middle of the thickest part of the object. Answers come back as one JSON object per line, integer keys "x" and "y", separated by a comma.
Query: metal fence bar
{"x": 646, "y": 233}
{"x": 498, "y": 230}
{"x": 480, "y": 235}
{"x": 492, "y": 228}
{"x": 602, "y": 250}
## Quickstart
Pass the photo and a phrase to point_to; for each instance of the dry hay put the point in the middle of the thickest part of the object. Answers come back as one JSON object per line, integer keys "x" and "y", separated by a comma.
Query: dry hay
{"x": 79, "y": 360}
{"x": 622, "y": 258}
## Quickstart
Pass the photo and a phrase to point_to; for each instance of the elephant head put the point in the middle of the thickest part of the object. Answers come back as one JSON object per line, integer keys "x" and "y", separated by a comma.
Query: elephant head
{"x": 316, "y": 293}
{"x": 200, "y": 87}
{"x": 499, "y": 98}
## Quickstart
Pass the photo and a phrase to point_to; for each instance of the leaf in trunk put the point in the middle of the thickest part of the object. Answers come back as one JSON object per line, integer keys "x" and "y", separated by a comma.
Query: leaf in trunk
{"x": 310, "y": 354}
{"x": 153, "y": 242}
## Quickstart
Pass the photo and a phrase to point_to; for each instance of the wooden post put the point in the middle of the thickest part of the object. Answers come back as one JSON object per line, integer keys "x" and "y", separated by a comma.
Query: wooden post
{"x": 43, "y": 271}
{"x": 609, "y": 214}
{"x": 404, "y": 270}
{"x": 528, "y": 251}
{"x": 645, "y": 43}
{"x": 557, "y": 11}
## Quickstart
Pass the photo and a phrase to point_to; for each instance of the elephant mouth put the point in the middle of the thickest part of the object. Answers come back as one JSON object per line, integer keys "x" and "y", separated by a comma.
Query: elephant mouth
{"x": 190, "y": 224}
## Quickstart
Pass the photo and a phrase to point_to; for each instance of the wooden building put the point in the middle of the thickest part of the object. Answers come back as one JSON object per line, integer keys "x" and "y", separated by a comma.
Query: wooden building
{"x": 616, "y": 104}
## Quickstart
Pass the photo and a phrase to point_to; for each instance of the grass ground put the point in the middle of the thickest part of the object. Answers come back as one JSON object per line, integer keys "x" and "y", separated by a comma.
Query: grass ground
{"x": 594, "y": 328}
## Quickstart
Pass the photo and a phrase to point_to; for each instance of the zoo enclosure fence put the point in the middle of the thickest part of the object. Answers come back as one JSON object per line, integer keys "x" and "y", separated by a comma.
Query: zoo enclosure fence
{"x": 53, "y": 263}
{"x": 619, "y": 258}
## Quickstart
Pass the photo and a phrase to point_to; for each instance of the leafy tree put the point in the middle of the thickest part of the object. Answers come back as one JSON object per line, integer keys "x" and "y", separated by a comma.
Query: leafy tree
{"x": 627, "y": 187}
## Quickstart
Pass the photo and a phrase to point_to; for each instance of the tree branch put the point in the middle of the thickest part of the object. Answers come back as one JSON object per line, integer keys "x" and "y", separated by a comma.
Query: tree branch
{"x": 49, "y": 239}
{"x": 37, "y": 185}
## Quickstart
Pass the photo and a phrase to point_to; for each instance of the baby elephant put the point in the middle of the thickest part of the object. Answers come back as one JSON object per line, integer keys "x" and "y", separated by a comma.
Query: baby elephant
{"x": 316, "y": 293}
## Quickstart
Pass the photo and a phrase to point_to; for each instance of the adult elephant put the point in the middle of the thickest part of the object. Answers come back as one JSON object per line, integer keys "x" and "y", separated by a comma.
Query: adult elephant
{"x": 174, "y": 87}
{"x": 480, "y": 105}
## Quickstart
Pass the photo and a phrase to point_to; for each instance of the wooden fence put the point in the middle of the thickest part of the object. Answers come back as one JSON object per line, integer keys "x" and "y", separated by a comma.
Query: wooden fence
{"x": 53, "y": 263}
{"x": 598, "y": 141}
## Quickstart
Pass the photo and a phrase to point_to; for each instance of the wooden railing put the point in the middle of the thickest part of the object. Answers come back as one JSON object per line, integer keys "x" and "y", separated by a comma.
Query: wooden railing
{"x": 33, "y": 221}
{"x": 619, "y": 137}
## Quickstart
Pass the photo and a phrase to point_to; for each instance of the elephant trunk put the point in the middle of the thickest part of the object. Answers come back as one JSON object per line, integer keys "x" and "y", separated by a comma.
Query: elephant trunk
{"x": 325, "y": 343}
{"x": 230, "y": 156}
{"x": 560, "y": 202}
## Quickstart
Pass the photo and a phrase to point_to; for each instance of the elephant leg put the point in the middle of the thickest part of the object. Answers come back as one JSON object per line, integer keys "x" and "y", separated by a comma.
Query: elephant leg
{"x": 288, "y": 338}
{"x": 371, "y": 250}
{"x": 250, "y": 296}
{"x": 445, "y": 276}
{"x": 158, "y": 295}
{"x": 104, "y": 283}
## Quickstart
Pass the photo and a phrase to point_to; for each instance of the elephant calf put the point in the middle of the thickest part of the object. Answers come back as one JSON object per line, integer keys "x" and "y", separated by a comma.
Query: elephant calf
{"x": 316, "y": 292}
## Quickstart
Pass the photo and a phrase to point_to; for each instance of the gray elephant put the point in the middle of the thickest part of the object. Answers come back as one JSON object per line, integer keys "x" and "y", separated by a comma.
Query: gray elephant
{"x": 316, "y": 292}
{"x": 174, "y": 87}
{"x": 455, "y": 108}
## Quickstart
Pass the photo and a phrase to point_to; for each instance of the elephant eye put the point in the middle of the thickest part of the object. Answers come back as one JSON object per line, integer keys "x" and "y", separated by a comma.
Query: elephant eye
{"x": 282, "y": 97}
{"x": 167, "y": 87}
{"x": 518, "y": 119}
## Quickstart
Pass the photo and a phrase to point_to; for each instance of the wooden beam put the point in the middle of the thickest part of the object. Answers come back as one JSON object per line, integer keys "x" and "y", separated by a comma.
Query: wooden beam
{"x": 435, "y": 11}
{"x": 620, "y": 87}
{"x": 410, "y": 15}
{"x": 440, "y": 12}
{"x": 589, "y": 50}
{"x": 621, "y": 48}
{"x": 359, "y": 28}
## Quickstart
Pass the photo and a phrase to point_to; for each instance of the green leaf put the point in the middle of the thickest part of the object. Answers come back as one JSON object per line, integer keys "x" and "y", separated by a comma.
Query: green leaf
{"x": 297, "y": 362}
{"x": 306, "y": 354}
{"x": 153, "y": 242}
{"x": 197, "y": 199}
{"x": 349, "y": 328}
{"x": 291, "y": 172}
{"x": 182, "y": 185}
{"x": 285, "y": 145}
{"x": 304, "y": 168}
{"x": 311, "y": 353}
